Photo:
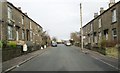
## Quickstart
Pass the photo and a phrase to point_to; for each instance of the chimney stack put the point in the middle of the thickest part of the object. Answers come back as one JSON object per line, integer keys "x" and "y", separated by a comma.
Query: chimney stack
{"x": 101, "y": 10}
{"x": 95, "y": 15}
{"x": 3, "y": 0}
{"x": 19, "y": 8}
{"x": 112, "y": 2}
{"x": 25, "y": 13}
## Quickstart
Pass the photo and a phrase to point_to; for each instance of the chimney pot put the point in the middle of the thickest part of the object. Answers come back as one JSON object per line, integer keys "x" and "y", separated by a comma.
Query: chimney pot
{"x": 101, "y": 10}
{"x": 25, "y": 13}
{"x": 112, "y": 2}
{"x": 19, "y": 8}
{"x": 95, "y": 15}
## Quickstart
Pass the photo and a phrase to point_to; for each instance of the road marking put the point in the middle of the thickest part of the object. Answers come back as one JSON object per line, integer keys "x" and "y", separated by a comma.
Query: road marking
{"x": 105, "y": 62}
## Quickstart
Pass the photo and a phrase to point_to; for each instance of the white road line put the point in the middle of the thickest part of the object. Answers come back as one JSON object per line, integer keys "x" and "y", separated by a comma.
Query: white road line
{"x": 105, "y": 63}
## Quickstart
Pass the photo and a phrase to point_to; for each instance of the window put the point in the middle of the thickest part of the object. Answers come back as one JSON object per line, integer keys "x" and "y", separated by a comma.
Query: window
{"x": 10, "y": 32}
{"x": 22, "y": 20}
{"x": 23, "y": 34}
{"x": 30, "y": 25}
{"x": 31, "y": 35}
{"x": 114, "y": 33}
{"x": 91, "y": 26}
{"x": 95, "y": 39}
{"x": 106, "y": 34}
{"x": 114, "y": 19}
{"x": 9, "y": 12}
{"x": 17, "y": 34}
{"x": 99, "y": 22}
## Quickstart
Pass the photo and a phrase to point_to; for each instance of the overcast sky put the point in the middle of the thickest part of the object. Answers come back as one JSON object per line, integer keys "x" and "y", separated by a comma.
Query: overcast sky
{"x": 60, "y": 17}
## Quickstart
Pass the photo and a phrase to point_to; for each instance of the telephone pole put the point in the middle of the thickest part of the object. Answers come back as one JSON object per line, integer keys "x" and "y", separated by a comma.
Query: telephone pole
{"x": 81, "y": 26}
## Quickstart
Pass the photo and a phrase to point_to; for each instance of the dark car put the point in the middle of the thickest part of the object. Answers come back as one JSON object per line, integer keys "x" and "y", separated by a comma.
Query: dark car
{"x": 54, "y": 44}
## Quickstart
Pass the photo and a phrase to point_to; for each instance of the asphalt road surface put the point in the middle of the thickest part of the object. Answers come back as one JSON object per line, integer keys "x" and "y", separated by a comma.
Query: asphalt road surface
{"x": 64, "y": 58}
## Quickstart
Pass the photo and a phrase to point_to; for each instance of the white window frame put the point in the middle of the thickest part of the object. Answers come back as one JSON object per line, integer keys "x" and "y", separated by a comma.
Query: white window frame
{"x": 114, "y": 16}
{"x": 22, "y": 18}
{"x": 10, "y": 32}
{"x": 106, "y": 36}
{"x": 96, "y": 41}
{"x": 17, "y": 35}
{"x": 30, "y": 25}
{"x": 113, "y": 33}
{"x": 9, "y": 12}
{"x": 100, "y": 22}
{"x": 31, "y": 35}
{"x": 91, "y": 26}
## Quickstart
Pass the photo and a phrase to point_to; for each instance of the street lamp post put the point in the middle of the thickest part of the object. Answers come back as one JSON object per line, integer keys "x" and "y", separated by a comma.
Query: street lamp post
{"x": 81, "y": 26}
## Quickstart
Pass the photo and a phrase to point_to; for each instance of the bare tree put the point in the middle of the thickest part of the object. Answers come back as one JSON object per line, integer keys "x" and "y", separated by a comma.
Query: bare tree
{"x": 75, "y": 38}
{"x": 54, "y": 39}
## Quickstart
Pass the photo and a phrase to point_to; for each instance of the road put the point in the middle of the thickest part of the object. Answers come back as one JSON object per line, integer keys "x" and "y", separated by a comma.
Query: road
{"x": 64, "y": 58}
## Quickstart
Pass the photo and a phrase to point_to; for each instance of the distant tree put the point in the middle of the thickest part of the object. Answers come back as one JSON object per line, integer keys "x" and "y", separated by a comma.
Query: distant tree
{"x": 46, "y": 38}
{"x": 75, "y": 36}
{"x": 54, "y": 39}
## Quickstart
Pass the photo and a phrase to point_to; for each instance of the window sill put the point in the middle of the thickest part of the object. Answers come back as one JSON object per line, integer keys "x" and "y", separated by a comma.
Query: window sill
{"x": 10, "y": 39}
{"x": 114, "y": 22}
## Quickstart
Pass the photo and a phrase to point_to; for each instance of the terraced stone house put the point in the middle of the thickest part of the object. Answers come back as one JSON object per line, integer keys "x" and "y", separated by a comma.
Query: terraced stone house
{"x": 105, "y": 27}
{"x": 17, "y": 28}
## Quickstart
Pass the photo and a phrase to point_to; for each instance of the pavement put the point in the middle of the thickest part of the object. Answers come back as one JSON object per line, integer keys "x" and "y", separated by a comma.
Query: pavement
{"x": 62, "y": 58}
{"x": 15, "y": 62}
{"x": 104, "y": 58}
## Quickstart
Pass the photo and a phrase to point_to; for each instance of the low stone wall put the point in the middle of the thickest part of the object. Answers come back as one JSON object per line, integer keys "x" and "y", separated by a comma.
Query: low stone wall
{"x": 11, "y": 52}
{"x": 109, "y": 51}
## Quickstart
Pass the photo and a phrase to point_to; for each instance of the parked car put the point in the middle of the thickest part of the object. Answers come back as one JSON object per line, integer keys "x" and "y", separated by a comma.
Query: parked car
{"x": 54, "y": 44}
{"x": 67, "y": 43}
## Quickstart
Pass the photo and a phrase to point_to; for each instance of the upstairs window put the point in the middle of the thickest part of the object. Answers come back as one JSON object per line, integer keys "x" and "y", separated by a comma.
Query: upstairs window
{"x": 91, "y": 27}
{"x": 100, "y": 23}
{"x": 22, "y": 17}
{"x": 30, "y": 25}
{"x": 9, "y": 12}
{"x": 114, "y": 18}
